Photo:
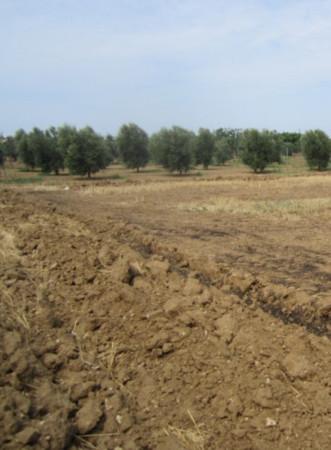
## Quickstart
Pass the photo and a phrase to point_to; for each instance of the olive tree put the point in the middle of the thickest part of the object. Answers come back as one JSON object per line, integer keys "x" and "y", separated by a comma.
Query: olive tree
{"x": 223, "y": 151}
{"x": 204, "y": 147}
{"x": 174, "y": 149}
{"x": 43, "y": 145}
{"x": 25, "y": 151}
{"x": 2, "y": 156}
{"x": 85, "y": 153}
{"x": 10, "y": 148}
{"x": 259, "y": 149}
{"x": 316, "y": 148}
{"x": 110, "y": 148}
{"x": 132, "y": 142}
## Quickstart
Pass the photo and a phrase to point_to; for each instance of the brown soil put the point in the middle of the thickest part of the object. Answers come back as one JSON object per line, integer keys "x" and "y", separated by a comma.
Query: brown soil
{"x": 131, "y": 324}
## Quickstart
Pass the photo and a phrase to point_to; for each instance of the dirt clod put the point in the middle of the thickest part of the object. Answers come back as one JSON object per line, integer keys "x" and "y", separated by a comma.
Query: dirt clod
{"x": 88, "y": 416}
{"x": 28, "y": 436}
{"x": 297, "y": 366}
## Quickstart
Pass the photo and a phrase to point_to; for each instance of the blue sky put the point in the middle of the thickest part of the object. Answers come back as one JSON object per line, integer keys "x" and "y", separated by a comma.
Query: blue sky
{"x": 259, "y": 63}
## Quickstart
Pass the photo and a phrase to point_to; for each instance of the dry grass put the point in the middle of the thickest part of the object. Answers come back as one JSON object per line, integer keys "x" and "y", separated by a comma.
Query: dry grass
{"x": 191, "y": 438}
{"x": 298, "y": 207}
{"x": 14, "y": 312}
{"x": 8, "y": 250}
{"x": 289, "y": 197}
{"x": 84, "y": 439}
{"x": 11, "y": 310}
{"x": 108, "y": 358}
{"x": 81, "y": 339}
{"x": 155, "y": 186}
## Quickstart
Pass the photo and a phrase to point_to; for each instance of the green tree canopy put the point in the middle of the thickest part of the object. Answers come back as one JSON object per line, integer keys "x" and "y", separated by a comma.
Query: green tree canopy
{"x": 44, "y": 147}
{"x": 111, "y": 149}
{"x": 2, "y": 155}
{"x": 259, "y": 149}
{"x": 54, "y": 154}
{"x": 204, "y": 147}
{"x": 25, "y": 151}
{"x": 66, "y": 135}
{"x": 132, "y": 142}
{"x": 316, "y": 148}
{"x": 36, "y": 141}
{"x": 158, "y": 146}
{"x": 9, "y": 148}
{"x": 174, "y": 149}
{"x": 232, "y": 135}
{"x": 223, "y": 151}
{"x": 86, "y": 153}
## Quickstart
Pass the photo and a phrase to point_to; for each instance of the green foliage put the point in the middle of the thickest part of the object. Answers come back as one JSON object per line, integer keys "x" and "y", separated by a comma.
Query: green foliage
{"x": 26, "y": 180}
{"x": 278, "y": 147}
{"x": 174, "y": 149}
{"x": 158, "y": 146}
{"x": 2, "y": 156}
{"x": 232, "y": 136}
{"x": 259, "y": 149}
{"x": 292, "y": 137}
{"x": 316, "y": 148}
{"x": 40, "y": 149}
{"x": 86, "y": 153}
{"x": 25, "y": 151}
{"x": 111, "y": 149}
{"x": 54, "y": 154}
{"x": 38, "y": 145}
{"x": 9, "y": 148}
{"x": 2, "y": 152}
{"x": 204, "y": 147}
{"x": 66, "y": 135}
{"x": 223, "y": 151}
{"x": 154, "y": 144}
{"x": 292, "y": 142}
{"x": 43, "y": 144}
{"x": 132, "y": 142}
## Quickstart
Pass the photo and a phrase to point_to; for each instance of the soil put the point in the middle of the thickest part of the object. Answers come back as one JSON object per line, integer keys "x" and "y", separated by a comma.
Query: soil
{"x": 140, "y": 326}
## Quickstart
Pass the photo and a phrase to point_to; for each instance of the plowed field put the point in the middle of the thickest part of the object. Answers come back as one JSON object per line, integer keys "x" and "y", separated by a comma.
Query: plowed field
{"x": 166, "y": 315}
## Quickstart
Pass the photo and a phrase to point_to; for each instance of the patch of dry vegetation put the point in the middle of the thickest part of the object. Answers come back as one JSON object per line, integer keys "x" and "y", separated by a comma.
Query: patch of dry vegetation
{"x": 297, "y": 207}
{"x": 189, "y": 438}
{"x": 8, "y": 250}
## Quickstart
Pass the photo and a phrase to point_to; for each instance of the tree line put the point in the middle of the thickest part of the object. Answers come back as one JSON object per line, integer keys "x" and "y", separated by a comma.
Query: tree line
{"x": 85, "y": 152}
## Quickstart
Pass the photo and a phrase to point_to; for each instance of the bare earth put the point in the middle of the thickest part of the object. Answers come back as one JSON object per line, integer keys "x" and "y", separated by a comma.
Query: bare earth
{"x": 166, "y": 313}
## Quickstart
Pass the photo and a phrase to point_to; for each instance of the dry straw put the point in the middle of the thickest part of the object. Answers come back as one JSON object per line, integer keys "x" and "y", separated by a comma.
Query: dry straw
{"x": 190, "y": 438}
{"x": 300, "y": 207}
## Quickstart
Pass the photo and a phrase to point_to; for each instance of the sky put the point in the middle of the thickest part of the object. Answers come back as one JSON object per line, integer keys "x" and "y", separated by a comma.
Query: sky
{"x": 239, "y": 64}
